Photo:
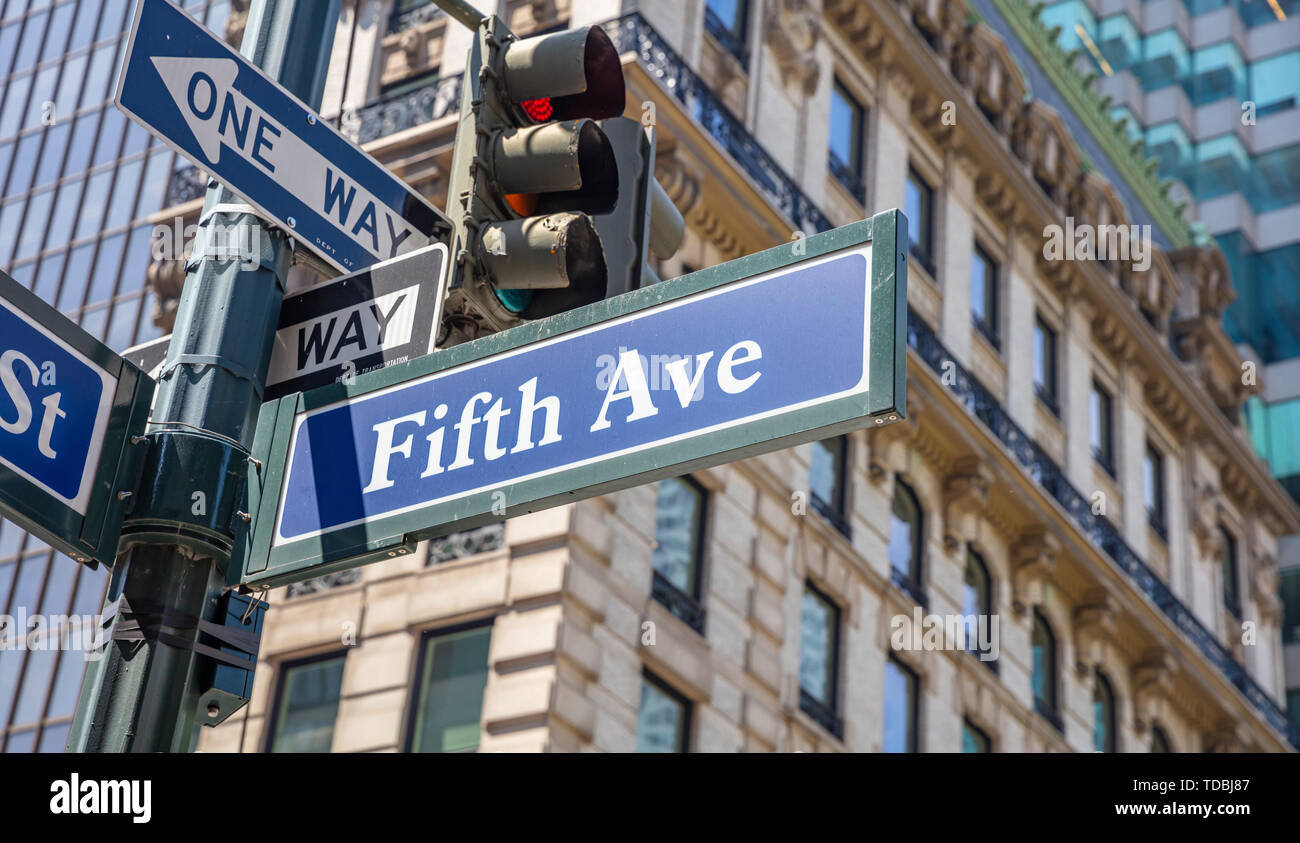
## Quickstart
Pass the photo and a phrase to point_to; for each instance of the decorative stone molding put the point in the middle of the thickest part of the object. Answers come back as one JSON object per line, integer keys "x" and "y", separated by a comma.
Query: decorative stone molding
{"x": 1165, "y": 399}
{"x": 678, "y": 180}
{"x": 928, "y": 109}
{"x": 1264, "y": 587}
{"x": 1111, "y": 335}
{"x": 792, "y": 31}
{"x": 1211, "y": 280}
{"x": 236, "y": 22}
{"x": 1094, "y": 625}
{"x": 1152, "y": 683}
{"x": 1000, "y": 197}
{"x": 1205, "y": 520}
{"x": 1033, "y": 560}
{"x": 1228, "y": 735}
{"x": 941, "y": 22}
{"x": 412, "y": 43}
{"x": 965, "y": 495}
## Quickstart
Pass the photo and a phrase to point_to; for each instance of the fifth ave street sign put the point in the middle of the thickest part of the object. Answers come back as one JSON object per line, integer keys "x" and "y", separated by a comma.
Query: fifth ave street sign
{"x": 217, "y": 109}
{"x": 68, "y": 407}
{"x": 797, "y": 343}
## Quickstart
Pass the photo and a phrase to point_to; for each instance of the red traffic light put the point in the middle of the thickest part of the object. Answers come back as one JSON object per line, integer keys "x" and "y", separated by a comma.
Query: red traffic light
{"x": 565, "y": 75}
{"x": 539, "y": 111}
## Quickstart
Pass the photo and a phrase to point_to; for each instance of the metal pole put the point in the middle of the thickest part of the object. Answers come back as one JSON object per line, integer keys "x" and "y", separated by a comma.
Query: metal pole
{"x": 142, "y": 695}
{"x": 461, "y": 11}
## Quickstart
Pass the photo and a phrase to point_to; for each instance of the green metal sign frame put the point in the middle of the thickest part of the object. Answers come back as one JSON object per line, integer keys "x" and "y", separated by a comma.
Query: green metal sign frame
{"x": 90, "y": 538}
{"x": 258, "y": 563}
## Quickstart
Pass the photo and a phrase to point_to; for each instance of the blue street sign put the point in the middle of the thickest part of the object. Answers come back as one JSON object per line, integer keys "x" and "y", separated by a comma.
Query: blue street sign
{"x": 797, "y": 343}
{"x": 211, "y": 105}
{"x": 67, "y": 405}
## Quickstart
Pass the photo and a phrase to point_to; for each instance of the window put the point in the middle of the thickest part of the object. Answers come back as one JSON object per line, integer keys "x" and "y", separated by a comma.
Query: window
{"x": 679, "y": 546}
{"x": 1103, "y": 714}
{"x": 977, "y": 602}
{"x": 828, "y": 480}
{"x": 1228, "y": 568}
{"x": 819, "y": 644}
{"x": 984, "y": 294}
{"x": 1045, "y": 365}
{"x": 1291, "y": 606}
{"x": 1159, "y": 740}
{"x": 1044, "y": 671}
{"x": 900, "y": 707}
{"x": 307, "y": 705}
{"x": 918, "y": 206}
{"x": 1153, "y": 489}
{"x": 728, "y": 22}
{"x": 1103, "y": 446}
{"x": 974, "y": 739}
{"x": 905, "y": 537}
{"x": 845, "y": 154}
{"x": 663, "y": 720}
{"x": 452, "y": 675}
{"x": 411, "y": 84}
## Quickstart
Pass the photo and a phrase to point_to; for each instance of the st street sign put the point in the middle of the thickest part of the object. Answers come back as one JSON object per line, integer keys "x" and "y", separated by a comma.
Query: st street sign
{"x": 211, "y": 105}
{"x": 797, "y": 343}
{"x": 370, "y": 319}
{"x": 68, "y": 407}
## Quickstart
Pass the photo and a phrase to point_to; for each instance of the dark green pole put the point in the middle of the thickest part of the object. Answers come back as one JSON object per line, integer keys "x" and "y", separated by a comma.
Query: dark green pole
{"x": 142, "y": 695}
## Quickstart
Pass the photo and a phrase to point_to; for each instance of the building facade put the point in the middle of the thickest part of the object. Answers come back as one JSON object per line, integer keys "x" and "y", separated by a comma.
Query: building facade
{"x": 1062, "y": 469}
{"x": 1066, "y": 479}
{"x": 78, "y": 185}
{"x": 1211, "y": 90}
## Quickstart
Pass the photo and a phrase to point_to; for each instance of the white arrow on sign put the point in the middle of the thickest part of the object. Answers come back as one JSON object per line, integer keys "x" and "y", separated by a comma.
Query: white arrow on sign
{"x": 219, "y": 115}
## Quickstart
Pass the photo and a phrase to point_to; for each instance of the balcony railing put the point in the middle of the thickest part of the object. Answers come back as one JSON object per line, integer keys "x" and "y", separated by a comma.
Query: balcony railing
{"x": 681, "y": 604}
{"x": 823, "y": 714}
{"x": 631, "y": 33}
{"x": 413, "y": 16}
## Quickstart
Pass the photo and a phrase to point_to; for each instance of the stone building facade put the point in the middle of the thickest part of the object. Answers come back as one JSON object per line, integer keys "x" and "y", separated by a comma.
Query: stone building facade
{"x": 1073, "y": 463}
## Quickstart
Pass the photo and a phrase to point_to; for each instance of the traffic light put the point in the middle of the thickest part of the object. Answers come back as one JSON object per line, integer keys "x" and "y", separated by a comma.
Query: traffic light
{"x": 645, "y": 220}
{"x": 550, "y": 207}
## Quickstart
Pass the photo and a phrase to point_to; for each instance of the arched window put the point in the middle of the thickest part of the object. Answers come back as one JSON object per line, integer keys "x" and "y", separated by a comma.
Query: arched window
{"x": 1159, "y": 741}
{"x": 1103, "y": 714}
{"x": 977, "y": 602}
{"x": 1044, "y": 670}
{"x": 905, "y": 541}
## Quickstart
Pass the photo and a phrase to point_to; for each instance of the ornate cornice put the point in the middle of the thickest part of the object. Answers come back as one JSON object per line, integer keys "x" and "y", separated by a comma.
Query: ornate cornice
{"x": 1033, "y": 561}
{"x": 1095, "y": 622}
{"x": 792, "y": 30}
{"x": 1152, "y": 684}
{"x": 965, "y": 495}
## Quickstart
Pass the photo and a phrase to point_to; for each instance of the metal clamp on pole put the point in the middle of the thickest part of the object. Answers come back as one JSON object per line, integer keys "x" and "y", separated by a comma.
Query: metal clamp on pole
{"x": 226, "y": 671}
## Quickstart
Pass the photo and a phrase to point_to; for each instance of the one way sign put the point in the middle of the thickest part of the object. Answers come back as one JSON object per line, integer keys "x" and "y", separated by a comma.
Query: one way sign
{"x": 383, "y": 315}
{"x": 211, "y": 105}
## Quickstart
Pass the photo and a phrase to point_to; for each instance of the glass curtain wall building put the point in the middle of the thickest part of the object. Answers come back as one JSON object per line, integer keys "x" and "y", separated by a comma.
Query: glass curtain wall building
{"x": 1212, "y": 89}
{"x": 78, "y": 182}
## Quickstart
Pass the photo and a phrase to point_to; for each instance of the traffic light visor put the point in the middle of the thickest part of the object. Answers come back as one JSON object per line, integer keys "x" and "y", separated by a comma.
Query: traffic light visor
{"x": 565, "y": 75}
